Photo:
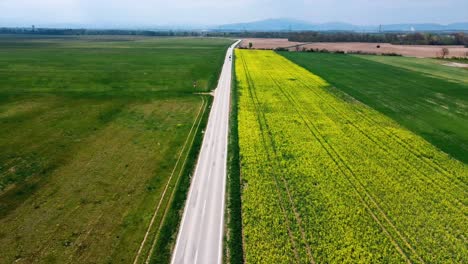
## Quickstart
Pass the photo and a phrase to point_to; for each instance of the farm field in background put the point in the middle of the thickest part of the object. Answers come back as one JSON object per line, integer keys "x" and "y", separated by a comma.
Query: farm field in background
{"x": 420, "y": 51}
{"x": 92, "y": 130}
{"x": 428, "y": 98}
{"x": 327, "y": 179}
{"x": 423, "y": 51}
{"x": 109, "y": 64}
{"x": 431, "y": 67}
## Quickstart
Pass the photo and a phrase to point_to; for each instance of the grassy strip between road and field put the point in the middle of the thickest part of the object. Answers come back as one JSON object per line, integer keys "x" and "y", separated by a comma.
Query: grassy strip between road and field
{"x": 233, "y": 246}
{"x": 147, "y": 245}
{"x": 162, "y": 249}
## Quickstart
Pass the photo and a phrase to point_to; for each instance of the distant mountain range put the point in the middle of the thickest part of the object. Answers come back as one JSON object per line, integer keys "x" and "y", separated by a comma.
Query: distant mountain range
{"x": 284, "y": 24}
{"x": 278, "y": 24}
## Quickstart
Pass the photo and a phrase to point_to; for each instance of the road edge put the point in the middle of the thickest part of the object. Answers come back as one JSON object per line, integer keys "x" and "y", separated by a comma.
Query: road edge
{"x": 233, "y": 246}
{"x": 164, "y": 246}
{"x": 162, "y": 250}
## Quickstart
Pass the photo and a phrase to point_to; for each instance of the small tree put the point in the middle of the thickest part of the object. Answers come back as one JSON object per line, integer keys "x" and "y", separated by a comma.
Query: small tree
{"x": 445, "y": 52}
{"x": 250, "y": 45}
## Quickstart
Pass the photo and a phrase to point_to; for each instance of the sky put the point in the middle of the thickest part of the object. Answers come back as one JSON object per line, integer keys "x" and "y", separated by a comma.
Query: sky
{"x": 147, "y": 13}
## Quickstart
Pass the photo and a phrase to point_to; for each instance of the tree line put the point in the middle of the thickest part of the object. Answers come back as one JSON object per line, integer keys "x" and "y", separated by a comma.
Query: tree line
{"x": 417, "y": 38}
{"x": 69, "y": 32}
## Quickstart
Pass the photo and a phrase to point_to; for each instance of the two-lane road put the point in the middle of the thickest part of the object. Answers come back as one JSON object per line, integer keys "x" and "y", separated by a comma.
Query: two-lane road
{"x": 200, "y": 237}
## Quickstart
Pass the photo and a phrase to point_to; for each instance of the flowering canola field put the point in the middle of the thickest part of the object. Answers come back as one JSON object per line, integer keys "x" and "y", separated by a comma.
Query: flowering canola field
{"x": 326, "y": 179}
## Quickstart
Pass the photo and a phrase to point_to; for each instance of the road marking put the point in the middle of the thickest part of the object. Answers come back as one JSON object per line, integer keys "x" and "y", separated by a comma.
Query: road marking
{"x": 204, "y": 207}
{"x": 196, "y": 256}
{"x": 211, "y": 160}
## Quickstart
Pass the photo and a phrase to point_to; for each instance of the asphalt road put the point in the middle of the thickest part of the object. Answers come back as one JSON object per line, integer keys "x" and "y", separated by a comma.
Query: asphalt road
{"x": 200, "y": 237}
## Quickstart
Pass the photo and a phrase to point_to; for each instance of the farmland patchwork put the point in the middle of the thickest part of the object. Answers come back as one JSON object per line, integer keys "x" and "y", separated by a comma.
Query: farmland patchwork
{"x": 422, "y": 95}
{"x": 327, "y": 179}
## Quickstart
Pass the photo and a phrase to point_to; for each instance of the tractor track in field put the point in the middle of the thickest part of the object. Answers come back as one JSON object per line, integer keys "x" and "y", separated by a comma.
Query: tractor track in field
{"x": 404, "y": 145}
{"x": 265, "y": 146}
{"x": 192, "y": 135}
{"x": 340, "y": 163}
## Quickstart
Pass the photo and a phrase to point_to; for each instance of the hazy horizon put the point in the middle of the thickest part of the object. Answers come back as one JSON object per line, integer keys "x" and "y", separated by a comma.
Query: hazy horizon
{"x": 147, "y": 13}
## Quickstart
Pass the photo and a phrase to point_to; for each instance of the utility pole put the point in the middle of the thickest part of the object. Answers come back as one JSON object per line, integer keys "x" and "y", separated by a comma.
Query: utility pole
{"x": 33, "y": 28}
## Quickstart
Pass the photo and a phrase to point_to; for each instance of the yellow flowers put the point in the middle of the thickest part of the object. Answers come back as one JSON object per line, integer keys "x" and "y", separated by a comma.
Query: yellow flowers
{"x": 327, "y": 179}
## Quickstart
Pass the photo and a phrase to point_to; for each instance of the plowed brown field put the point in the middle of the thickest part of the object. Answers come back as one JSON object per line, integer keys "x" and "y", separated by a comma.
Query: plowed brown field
{"x": 425, "y": 51}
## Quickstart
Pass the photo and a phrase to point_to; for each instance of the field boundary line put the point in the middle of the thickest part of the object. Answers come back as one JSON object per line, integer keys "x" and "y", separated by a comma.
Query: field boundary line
{"x": 234, "y": 186}
{"x": 434, "y": 165}
{"x": 205, "y": 104}
{"x": 142, "y": 244}
{"x": 422, "y": 176}
{"x": 431, "y": 163}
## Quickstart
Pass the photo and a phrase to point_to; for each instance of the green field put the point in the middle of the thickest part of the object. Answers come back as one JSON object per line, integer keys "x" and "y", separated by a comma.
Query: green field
{"x": 93, "y": 130}
{"x": 327, "y": 179}
{"x": 107, "y": 64}
{"x": 430, "y": 67}
{"x": 424, "y": 96}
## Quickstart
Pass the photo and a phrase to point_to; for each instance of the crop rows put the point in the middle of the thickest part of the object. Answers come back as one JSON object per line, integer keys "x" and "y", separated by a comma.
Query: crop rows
{"x": 327, "y": 179}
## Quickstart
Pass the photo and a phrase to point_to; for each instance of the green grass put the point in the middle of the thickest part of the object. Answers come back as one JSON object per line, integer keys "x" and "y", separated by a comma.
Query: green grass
{"x": 92, "y": 128}
{"x": 233, "y": 248}
{"x": 431, "y": 67}
{"x": 107, "y": 65}
{"x": 422, "y": 95}
{"x": 162, "y": 251}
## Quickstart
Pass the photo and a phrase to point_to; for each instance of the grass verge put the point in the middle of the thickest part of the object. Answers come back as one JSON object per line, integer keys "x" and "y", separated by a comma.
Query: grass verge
{"x": 162, "y": 250}
{"x": 233, "y": 250}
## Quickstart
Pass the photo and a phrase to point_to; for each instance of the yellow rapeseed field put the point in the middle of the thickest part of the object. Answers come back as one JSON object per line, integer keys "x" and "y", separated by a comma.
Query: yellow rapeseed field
{"x": 326, "y": 179}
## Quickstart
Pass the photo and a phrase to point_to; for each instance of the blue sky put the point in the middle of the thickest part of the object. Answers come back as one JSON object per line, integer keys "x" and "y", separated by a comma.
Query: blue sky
{"x": 131, "y": 13}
